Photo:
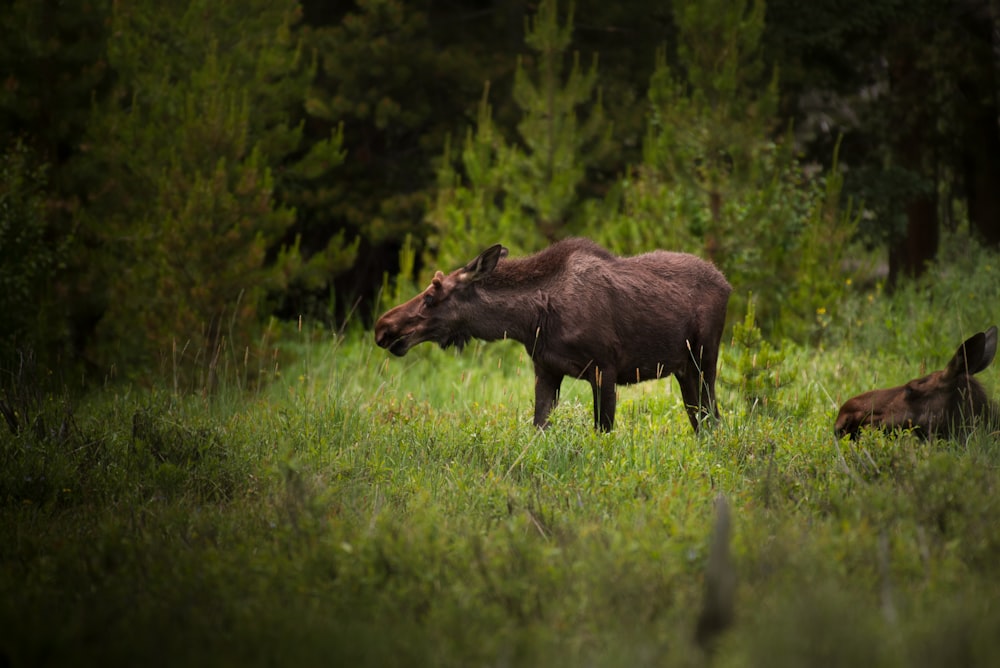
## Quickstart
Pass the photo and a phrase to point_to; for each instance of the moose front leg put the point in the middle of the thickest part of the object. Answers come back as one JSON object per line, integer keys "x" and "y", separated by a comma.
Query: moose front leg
{"x": 605, "y": 397}
{"x": 546, "y": 395}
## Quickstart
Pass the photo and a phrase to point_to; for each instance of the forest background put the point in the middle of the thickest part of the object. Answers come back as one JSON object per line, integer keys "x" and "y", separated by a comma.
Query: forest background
{"x": 177, "y": 177}
{"x": 205, "y": 460}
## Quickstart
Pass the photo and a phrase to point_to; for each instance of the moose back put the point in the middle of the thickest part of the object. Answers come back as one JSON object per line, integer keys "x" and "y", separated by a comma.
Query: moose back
{"x": 581, "y": 312}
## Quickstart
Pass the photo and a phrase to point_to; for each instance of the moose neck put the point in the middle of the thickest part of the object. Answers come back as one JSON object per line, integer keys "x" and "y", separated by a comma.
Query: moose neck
{"x": 510, "y": 306}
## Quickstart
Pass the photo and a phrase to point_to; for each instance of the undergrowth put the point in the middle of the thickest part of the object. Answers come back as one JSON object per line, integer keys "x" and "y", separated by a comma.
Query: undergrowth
{"x": 362, "y": 510}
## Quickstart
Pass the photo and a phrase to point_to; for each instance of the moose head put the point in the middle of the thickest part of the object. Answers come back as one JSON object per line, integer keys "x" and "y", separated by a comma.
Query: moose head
{"x": 442, "y": 313}
{"x": 938, "y": 404}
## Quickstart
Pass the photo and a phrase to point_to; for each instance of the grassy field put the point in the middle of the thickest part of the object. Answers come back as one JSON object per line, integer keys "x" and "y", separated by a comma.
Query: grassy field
{"x": 362, "y": 510}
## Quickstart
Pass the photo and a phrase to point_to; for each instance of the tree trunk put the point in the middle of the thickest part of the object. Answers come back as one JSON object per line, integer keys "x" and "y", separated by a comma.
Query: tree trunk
{"x": 982, "y": 149}
{"x": 982, "y": 178}
{"x": 912, "y": 148}
{"x": 908, "y": 257}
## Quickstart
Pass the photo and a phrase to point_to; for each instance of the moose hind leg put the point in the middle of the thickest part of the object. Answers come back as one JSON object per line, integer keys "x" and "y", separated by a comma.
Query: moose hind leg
{"x": 706, "y": 386}
{"x": 605, "y": 398}
{"x": 697, "y": 383}
{"x": 689, "y": 393}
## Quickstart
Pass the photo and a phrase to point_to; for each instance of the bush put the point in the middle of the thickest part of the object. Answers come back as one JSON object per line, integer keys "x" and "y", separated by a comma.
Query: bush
{"x": 927, "y": 318}
{"x": 31, "y": 251}
{"x": 782, "y": 239}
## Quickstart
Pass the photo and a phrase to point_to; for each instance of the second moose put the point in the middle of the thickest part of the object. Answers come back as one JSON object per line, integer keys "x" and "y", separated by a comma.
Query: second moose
{"x": 582, "y": 312}
{"x": 943, "y": 403}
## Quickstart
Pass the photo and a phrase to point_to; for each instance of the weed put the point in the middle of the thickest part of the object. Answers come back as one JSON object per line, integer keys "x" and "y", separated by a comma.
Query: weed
{"x": 365, "y": 511}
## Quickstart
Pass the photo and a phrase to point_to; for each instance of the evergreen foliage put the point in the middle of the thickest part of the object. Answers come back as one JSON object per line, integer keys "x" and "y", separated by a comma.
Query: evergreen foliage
{"x": 526, "y": 191}
{"x": 187, "y": 213}
{"x": 714, "y": 181}
{"x": 756, "y": 367}
{"x": 31, "y": 254}
{"x": 308, "y": 139}
{"x": 713, "y": 115}
{"x": 369, "y": 63}
{"x": 395, "y": 85}
{"x": 52, "y": 64}
{"x": 470, "y": 210}
{"x": 558, "y": 142}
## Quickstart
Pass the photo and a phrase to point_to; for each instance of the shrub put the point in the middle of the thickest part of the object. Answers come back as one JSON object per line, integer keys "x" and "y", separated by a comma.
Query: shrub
{"x": 31, "y": 250}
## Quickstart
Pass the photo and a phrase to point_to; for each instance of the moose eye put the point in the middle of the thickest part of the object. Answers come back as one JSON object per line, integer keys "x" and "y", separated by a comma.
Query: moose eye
{"x": 428, "y": 300}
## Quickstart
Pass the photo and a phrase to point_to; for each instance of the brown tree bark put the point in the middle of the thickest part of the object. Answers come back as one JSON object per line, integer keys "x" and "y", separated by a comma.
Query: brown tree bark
{"x": 982, "y": 176}
{"x": 908, "y": 257}
{"x": 913, "y": 150}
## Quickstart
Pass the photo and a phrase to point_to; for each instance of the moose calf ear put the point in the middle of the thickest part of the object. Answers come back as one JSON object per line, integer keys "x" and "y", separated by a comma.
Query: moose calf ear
{"x": 975, "y": 354}
{"x": 483, "y": 265}
{"x": 989, "y": 348}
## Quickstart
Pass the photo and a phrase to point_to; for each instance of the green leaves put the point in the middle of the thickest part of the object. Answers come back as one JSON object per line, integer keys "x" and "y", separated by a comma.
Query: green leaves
{"x": 526, "y": 190}
{"x": 713, "y": 112}
{"x": 29, "y": 255}
{"x": 187, "y": 213}
{"x": 715, "y": 181}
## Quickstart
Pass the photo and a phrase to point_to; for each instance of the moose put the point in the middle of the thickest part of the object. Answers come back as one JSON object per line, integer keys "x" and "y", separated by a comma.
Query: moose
{"x": 940, "y": 404}
{"x": 583, "y": 312}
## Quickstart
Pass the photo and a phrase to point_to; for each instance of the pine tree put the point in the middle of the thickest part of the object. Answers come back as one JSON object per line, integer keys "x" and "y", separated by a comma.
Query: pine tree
{"x": 53, "y": 67}
{"x": 470, "y": 211}
{"x": 715, "y": 180}
{"x": 31, "y": 253}
{"x": 53, "y": 64}
{"x": 524, "y": 192}
{"x": 395, "y": 84}
{"x": 714, "y": 112}
{"x": 188, "y": 142}
{"x": 556, "y": 147}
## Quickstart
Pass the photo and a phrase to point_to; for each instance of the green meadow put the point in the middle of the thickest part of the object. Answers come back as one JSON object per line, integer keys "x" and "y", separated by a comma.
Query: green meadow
{"x": 349, "y": 508}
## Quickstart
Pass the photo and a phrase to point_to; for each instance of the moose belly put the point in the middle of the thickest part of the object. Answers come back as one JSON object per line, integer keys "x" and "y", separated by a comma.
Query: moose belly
{"x": 638, "y": 374}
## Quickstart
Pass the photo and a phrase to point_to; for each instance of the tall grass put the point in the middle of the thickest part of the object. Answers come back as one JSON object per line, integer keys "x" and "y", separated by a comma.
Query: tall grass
{"x": 367, "y": 510}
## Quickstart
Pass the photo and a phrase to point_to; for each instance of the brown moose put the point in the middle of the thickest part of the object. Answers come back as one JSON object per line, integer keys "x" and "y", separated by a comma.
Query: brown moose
{"x": 580, "y": 312}
{"x": 940, "y": 404}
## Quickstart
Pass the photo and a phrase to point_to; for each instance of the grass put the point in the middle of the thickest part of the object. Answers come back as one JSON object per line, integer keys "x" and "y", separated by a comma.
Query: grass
{"x": 361, "y": 510}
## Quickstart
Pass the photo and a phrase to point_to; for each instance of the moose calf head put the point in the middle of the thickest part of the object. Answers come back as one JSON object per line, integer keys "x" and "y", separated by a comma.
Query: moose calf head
{"x": 938, "y": 404}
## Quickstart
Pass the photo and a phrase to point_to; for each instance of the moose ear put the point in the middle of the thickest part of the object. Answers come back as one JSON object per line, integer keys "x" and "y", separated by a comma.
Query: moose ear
{"x": 483, "y": 265}
{"x": 975, "y": 354}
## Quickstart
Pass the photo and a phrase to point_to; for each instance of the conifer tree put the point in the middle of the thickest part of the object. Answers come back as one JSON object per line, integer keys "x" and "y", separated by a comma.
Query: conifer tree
{"x": 717, "y": 181}
{"x": 524, "y": 191}
{"x": 471, "y": 210}
{"x": 555, "y": 146}
{"x": 53, "y": 65}
{"x": 714, "y": 112}
{"x": 31, "y": 252}
{"x": 396, "y": 83}
{"x": 197, "y": 122}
